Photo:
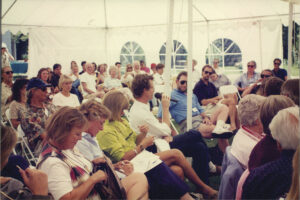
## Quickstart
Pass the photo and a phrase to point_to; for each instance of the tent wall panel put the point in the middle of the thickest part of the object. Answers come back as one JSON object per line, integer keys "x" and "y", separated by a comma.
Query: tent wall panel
{"x": 61, "y": 45}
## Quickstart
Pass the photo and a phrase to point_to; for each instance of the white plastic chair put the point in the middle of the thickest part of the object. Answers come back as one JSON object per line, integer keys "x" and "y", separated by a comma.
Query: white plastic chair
{"x": 7, "y": 113}
{"x": 26, "y": 151}
{"x": 229, "y": 89}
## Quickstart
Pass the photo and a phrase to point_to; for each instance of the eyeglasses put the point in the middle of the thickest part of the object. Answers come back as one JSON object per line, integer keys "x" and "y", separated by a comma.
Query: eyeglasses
{"x": 9, "y": 72}
{"x": 207, "y": 72}
{"x": 183, "y": 82}
{"x": 277, "y": 63}
{"x": 265, "y": 76}
{"x": 252, "y": 66}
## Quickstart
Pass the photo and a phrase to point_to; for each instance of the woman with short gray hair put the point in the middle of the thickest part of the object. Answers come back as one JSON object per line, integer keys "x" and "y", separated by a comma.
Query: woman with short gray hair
{"x": 273, "y": 179}
{"x": 251, "y": 130}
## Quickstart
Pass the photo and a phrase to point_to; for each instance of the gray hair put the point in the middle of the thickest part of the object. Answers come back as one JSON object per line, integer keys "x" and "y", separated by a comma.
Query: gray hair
{"x": 248, "y": 109}
{"x": 285, "y": 128}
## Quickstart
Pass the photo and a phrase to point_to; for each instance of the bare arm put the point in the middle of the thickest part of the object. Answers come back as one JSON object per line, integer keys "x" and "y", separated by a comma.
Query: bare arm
{"x": 146, "y": 142}
{"x": 213, "y": 100}
{"x": 84, "y": 85}
{"x": 248, "y": 90}
{"x": 165, "y": 102}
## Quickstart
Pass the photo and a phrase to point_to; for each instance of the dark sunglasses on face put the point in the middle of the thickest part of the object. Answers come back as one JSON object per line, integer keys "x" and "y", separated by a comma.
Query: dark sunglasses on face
{"x": 9, "y": 72}
{"x": 183, "y": 82}
{"x": 277, "y": 63}
{"x": 43, "y": 89}
{"x": 207, "y": 72}
{"x": 265, "y": 76}
{"x": 252, "y": 66}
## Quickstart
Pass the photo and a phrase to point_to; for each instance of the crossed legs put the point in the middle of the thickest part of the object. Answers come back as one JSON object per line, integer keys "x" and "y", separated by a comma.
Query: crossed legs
{"x": 175, "y": 157}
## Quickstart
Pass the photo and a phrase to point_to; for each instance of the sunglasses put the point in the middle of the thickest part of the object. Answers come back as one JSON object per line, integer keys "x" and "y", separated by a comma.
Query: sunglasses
{"x": 9, "y": 72}
{"x": 277, "y": 63}
{"x": 252, "y": 66}
{"x": 43, "y": 89}
{"x": 265, "y": 76}
{"x": 183, "y": 82}
{"x": 207, "y": 72}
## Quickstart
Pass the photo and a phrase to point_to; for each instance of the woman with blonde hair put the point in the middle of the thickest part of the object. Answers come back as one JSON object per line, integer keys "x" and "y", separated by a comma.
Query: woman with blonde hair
{"x": 74, "y": 71}
{"x": 128, "y": 76}
{"x": 64, "y": 97}
{"x": 102, "y": 74}
{"x": 70, "y": 174}
{"x": 122, "y": 143}
{"x": 96, "y": 115}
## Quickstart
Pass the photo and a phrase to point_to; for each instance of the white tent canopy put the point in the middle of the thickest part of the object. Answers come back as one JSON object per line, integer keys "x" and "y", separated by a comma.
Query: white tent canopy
{"x": 96, "y": 30}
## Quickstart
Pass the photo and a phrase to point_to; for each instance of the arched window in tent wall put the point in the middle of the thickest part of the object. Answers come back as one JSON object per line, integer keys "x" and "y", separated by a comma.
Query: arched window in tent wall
{"x": 130, "y": 52}
{"x": 228, "y": 53}
{"x": 179, "y": 55}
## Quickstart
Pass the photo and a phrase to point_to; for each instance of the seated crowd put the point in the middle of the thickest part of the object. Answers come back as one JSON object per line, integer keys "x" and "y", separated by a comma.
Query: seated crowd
{"x": 96, "y": 135}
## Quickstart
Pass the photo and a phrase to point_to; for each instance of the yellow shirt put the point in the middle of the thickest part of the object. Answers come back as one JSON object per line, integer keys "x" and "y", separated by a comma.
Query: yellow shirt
{"x": 116, "y": 139}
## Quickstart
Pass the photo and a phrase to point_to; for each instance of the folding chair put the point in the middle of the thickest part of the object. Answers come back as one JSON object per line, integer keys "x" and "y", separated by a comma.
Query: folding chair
{"x": 7, "y": 113}
{"x": 25, "y": 150}
{"x": 229, "y": 89}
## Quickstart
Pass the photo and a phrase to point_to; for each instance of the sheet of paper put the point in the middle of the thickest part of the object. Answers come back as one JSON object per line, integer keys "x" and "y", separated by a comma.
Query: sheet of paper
{"x": 145, "y": 161}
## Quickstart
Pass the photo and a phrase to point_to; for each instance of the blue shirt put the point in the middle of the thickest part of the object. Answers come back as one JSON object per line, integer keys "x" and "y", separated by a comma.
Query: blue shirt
{"x": 178, "y": 109}
{"x": 243, "y": 80}
{"x": 281, "y": 73}
{"x": 89, "y": 147}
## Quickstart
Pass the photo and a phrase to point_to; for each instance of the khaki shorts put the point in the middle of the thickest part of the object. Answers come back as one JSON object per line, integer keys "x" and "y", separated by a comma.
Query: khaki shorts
{"x": 196, "y": 121}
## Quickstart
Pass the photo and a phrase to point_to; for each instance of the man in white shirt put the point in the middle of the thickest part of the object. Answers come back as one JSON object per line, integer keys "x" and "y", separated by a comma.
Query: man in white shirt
{"x": 190, "y": 143}
{"x": 158, "y": 78}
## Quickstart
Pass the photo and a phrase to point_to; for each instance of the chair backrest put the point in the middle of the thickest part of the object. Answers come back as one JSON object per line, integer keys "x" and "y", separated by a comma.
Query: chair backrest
{"x": 20, "y": 131}
{"x": 7, "y": 113}
{"x": 229, "y": 89}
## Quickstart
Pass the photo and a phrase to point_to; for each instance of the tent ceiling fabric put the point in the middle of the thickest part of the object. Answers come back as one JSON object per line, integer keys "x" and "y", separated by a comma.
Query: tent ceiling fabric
{"x": 120, "y": 13}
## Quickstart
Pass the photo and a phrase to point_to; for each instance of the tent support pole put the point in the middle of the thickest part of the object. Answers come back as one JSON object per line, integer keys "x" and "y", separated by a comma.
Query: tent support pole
{"x": 105, "y": 32}
{"x": 260, "y": 46}
{"x": 9, "y": 9}
{"x": 190, "y": 62}
{"x": 169, "y": 47}
{"x": 290, "y": 39}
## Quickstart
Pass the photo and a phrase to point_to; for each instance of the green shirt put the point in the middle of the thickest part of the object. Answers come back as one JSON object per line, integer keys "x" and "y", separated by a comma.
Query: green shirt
{"x": 116, "y": 139}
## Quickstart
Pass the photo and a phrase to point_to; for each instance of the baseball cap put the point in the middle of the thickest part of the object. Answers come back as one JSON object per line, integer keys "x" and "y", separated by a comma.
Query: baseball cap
{"x": 36, "y": 83}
